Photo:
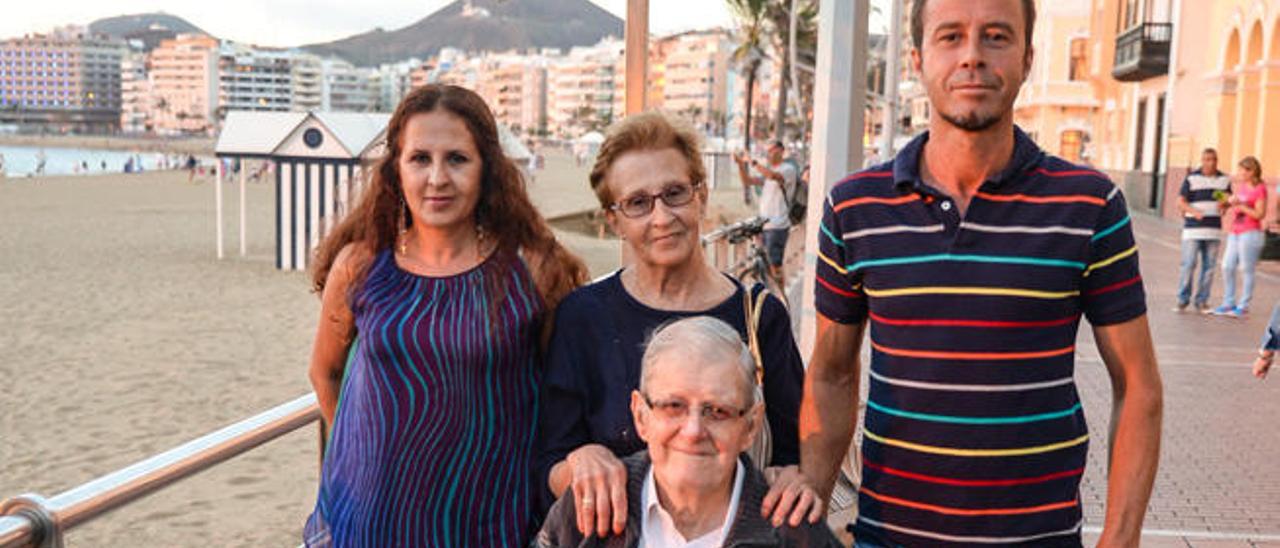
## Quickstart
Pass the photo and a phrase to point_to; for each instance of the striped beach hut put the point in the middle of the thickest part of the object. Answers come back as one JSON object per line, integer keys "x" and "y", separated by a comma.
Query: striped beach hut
{"x": 319, "y": 159}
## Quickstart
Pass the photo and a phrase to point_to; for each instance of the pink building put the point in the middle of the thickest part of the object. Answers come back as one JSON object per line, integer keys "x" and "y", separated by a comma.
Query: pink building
{"x": 184, "y": 84}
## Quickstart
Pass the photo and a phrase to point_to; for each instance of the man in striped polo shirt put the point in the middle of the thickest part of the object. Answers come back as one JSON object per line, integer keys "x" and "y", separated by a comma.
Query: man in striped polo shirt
{"x": 973, "y": 256}
{"x": 1202, "y": 199}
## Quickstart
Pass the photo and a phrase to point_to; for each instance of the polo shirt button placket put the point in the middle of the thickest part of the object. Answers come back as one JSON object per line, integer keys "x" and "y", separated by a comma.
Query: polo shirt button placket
{"x": 950, "y": 215}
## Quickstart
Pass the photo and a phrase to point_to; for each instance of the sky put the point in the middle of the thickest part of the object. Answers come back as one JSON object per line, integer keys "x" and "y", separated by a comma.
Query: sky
{"x": 283, "y": 23}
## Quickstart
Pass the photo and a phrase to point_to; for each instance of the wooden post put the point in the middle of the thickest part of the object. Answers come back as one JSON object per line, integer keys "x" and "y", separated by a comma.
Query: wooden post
{"x": 314, "y": 175}
{"x": 637, "y": 53}
{"x": 285, "y": 214}
{"x": 244, "y": 250}
{"x": 329, "y": 178}
{"x": 217, "y": 200}
{"x": 637, "y": 63}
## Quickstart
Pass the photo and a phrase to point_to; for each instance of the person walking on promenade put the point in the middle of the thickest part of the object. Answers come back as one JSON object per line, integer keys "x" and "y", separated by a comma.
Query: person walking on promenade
{"x": 973, "y": 256}
{"x": 1246, "y": 210}
{"x": 1270, "y": 344}
{"x": 778, "y": 178}
{"x": 435, "y": 290}
{"x": 651, "y": 183}
{"x": 1202, "y": 200}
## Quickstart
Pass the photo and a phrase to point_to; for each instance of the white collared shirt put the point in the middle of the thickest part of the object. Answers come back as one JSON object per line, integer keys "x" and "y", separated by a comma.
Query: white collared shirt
{"x": 658, "y": 530}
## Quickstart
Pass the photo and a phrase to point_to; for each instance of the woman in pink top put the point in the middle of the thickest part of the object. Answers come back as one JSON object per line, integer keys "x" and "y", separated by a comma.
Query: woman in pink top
{"x": 1247, "y": 208}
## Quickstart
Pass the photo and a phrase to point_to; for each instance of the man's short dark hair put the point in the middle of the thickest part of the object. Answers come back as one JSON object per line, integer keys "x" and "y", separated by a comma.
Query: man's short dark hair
{"x": 1210, "y": 150}
{"x": 777, "y": 144}
{"x": 917, "y": 21}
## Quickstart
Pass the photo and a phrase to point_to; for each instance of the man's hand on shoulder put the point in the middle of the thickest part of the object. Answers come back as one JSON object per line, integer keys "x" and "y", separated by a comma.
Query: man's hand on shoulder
{"x": 791, "y": 499}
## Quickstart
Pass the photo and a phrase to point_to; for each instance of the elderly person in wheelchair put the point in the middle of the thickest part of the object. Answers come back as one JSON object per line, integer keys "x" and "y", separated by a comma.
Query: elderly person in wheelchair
{"x": 697, "y": 409}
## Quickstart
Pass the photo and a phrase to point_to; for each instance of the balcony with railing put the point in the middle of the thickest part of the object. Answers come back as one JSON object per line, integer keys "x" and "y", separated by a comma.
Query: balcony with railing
{"x": 1142, "y": 52}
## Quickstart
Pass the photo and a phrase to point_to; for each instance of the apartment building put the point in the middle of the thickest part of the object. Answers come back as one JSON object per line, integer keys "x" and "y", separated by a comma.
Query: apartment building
{"x": 692, "y": 73}
{"x": 251, "y": 78}
{"x": 184, "y": 84}
{"x": 307, "y": 92}
{"x": 345, "y": 87}
{"x": 581, "y": 89}
{"x": 67, "y": 80}
{"x": 135, "y": 93}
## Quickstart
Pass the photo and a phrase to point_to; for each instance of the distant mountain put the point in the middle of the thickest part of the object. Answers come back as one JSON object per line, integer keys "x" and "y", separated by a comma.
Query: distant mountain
{"x": 481, "y": 25}
{"x": 150, "y": 28}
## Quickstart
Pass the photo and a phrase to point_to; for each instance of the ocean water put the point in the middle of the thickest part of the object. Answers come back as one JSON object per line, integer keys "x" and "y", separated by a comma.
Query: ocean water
{"x": 21, "y": 161}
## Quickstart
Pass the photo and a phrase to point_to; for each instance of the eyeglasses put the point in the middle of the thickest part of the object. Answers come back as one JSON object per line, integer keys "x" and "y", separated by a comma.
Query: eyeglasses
{"x": 676, "y": 410}
{"x": 641, "y": 203}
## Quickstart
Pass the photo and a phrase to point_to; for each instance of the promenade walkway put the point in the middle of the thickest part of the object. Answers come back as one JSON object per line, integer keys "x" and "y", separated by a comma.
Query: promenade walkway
{"x": 1219, "y": 478}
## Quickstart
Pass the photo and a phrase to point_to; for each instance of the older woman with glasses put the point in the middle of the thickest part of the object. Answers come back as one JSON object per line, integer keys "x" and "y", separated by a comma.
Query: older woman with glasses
{"x": 650, "y": 181}
{"x": 697, "y": 409}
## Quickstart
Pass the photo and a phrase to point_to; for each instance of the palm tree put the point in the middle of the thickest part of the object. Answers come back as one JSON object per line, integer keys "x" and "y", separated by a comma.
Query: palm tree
{"x": 806, "y": 43}
{"x": 162, "y": 105}
{"x": 752, "y": 39}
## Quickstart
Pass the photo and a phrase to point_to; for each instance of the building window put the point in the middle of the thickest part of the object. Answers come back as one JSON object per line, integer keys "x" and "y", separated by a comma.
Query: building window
{"x": 1128, "y": 15}
{"x": 1071, "y": 145}
{"x": 1140, "y": 135}
{"x": 1079, "y": 64}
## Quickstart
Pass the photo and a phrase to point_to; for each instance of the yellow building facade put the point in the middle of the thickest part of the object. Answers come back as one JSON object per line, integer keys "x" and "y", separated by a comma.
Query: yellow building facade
{"x": 1056, "y": 105}
{"x": 1175, "y": 77}
{"x": 1242, "y": 111}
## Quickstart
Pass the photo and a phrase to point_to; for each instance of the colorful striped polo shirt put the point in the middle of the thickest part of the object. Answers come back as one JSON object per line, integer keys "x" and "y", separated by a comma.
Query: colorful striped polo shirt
{"x": 974, "y": 432}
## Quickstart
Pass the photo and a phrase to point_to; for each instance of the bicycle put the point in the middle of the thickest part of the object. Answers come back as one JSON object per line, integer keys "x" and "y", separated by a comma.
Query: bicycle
{"x": 754, "y": 267}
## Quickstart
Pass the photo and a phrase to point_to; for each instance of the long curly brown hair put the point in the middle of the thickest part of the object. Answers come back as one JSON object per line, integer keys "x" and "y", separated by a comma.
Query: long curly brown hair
{"x": 504, "y": 211}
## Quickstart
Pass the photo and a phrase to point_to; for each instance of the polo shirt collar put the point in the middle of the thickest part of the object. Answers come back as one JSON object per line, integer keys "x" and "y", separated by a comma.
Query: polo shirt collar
{"x": 906, "y": 166}
{"x": 1200, "y": 171}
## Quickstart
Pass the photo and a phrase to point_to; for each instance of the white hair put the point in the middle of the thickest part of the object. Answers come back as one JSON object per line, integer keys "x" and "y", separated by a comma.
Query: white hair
{"x": 702, "y": 339}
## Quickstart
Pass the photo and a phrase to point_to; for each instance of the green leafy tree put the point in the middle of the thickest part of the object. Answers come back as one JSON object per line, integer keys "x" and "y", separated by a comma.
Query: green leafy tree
{"x": 778, "y": 13}
{"x": 752, "y": 18}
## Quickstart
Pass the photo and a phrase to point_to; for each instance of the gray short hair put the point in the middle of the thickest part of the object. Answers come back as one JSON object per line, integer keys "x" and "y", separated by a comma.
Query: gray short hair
{"x": 703, "y": 338}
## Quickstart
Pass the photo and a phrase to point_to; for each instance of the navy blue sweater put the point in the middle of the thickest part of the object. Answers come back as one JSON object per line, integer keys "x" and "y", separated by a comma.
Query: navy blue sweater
{"x": 593, "y": 364}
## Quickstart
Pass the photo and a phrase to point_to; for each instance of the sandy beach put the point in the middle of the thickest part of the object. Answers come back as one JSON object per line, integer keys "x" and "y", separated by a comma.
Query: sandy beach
{"x": 121, "y": 335}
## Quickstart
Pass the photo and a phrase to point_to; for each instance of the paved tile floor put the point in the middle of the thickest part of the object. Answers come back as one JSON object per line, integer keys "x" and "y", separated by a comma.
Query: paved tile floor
{"x": 1219, "y": 478}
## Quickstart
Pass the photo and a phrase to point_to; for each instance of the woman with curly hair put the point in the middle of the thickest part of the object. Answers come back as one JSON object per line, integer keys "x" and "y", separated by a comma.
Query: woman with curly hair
{"x": 436, "y": 291}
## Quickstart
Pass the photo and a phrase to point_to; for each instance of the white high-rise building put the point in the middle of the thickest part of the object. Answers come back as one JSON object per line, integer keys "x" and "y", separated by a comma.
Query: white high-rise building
{"x": 345, "y": 88}
{"x": 391, "y": 82}
{"x": 251, "y": 78}
{"x": 307, "y": 80}
{"x": 135, "y": 93}
{"x": 581, "y": 88}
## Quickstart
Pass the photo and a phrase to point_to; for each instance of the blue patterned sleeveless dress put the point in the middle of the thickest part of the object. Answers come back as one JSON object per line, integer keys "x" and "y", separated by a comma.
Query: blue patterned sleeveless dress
{"x": 432, "y": 438}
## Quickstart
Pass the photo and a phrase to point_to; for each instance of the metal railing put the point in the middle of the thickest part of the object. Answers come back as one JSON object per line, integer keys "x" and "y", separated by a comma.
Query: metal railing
{"x": 32, "y": 520}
